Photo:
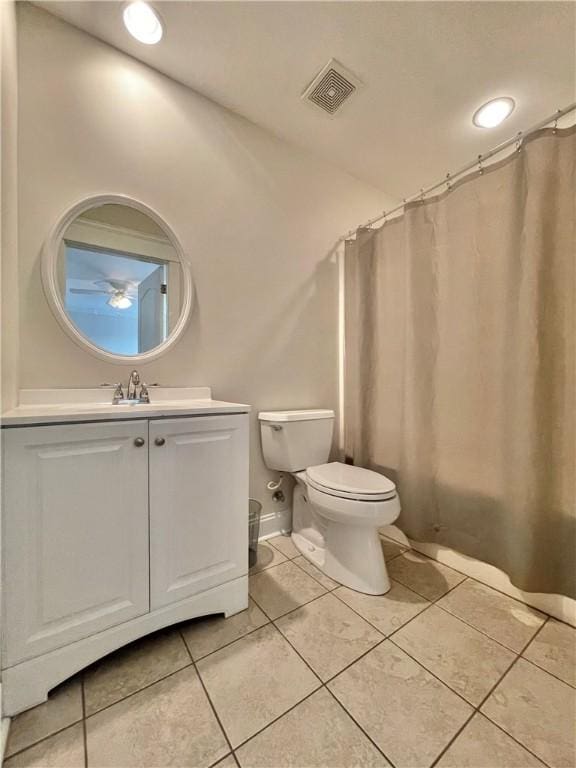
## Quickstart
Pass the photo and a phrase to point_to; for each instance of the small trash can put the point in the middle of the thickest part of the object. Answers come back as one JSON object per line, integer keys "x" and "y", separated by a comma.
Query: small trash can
{"x": 254, "y": 510}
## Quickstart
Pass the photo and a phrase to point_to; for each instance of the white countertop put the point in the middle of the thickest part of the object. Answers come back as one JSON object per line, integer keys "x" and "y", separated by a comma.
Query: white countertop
{"x": 48, "y": 406}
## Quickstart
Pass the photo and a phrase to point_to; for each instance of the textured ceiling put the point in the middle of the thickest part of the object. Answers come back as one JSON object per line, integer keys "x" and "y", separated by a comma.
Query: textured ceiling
{"x": 425, "y": 66}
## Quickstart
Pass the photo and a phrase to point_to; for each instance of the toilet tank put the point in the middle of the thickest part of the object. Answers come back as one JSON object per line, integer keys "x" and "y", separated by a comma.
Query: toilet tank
{"x": 296, "y": 440}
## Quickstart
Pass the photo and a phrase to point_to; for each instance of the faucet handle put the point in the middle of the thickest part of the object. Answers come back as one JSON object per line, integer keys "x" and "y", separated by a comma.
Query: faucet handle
{"x": 144, "y": 394}
{"x": 118, "y": 391}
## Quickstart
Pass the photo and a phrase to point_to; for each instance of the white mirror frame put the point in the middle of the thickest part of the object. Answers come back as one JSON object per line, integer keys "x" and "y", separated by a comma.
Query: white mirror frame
{"x": 50, "y": 253}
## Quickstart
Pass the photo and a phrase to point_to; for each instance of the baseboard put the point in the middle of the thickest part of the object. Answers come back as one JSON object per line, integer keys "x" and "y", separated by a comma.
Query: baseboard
{"x": 4, "y": 728}
{"x": 558, "y": 606}
{"x": 273, "y": 523}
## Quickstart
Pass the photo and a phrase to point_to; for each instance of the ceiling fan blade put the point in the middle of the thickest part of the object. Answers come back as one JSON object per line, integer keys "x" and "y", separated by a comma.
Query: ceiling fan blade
{"x": 89, "y": 290}
{"x": 117, "y": 284}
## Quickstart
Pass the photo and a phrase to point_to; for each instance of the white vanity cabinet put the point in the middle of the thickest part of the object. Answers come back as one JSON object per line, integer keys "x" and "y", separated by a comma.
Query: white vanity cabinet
{"x": 114, "y": 529}
{"x": 198, "y": 518}
{"x": 75, "y": 535}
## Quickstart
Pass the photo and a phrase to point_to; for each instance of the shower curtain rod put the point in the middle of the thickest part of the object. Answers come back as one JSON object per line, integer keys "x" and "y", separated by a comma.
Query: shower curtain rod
{"x": 447, "y": 181}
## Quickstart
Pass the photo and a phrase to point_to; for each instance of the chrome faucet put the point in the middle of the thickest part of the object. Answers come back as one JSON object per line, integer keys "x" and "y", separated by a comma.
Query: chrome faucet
{"x": 133, "y": 382}
{"x": 132, "y": 394}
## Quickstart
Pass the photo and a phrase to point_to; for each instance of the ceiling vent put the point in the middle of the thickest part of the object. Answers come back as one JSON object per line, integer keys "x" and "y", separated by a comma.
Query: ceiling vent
{"x": 331, "y": 87}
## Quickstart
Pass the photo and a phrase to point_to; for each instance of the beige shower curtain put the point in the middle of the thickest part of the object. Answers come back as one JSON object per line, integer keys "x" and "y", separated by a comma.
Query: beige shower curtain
{"x": 460, "y": 363}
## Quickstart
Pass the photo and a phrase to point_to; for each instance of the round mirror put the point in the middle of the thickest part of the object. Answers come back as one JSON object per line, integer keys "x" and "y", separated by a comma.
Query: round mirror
{"x": 116, "y": 279}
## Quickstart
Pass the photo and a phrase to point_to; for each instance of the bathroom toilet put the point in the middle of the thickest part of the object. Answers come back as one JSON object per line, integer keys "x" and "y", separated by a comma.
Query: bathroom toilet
{"x": 337, "y": 508}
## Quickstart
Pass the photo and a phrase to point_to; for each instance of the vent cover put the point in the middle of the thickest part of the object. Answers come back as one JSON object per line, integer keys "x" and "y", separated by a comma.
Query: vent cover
{"x": 331, "y": 87}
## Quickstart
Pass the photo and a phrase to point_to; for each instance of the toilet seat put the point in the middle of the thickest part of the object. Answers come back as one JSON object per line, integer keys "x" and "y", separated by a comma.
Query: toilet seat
{"x": 348, "y": 482}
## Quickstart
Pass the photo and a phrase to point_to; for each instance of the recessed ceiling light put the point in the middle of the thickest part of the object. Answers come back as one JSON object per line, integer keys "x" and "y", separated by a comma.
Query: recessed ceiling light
{"x": 143, "y": 23}
{"x": 494, "y": 112}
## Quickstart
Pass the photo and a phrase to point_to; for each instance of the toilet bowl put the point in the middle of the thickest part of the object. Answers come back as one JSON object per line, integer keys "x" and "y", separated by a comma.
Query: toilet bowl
{"x": 348, "y": 517}
{"x": 337, "y": 508}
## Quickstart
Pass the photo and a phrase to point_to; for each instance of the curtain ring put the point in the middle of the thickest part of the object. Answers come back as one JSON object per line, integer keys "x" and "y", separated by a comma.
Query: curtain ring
{"x": 555, "y": 126}
{"x": 519, "y": 142}
{"x": 422, "y": 193}
{"x": 448, "y": 182}
{"x": 480, "y": 167}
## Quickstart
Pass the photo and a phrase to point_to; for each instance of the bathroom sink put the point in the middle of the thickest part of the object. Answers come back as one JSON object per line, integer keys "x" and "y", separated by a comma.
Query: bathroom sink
{"x": 136, "y": 401}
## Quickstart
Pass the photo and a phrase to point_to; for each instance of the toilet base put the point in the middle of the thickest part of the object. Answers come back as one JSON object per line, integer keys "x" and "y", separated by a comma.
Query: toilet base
{"x": 354, "y": 558}
{"x": 349, "y": 553}
{"x": 362, "y": 570}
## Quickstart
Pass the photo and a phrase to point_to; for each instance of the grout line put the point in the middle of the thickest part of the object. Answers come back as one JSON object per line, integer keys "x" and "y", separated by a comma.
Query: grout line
{"x": 44, "y": 738}
{"x": 426, "y": 597}
{"x": 481, "y": 631}
{"x": 478, "y": 707}
{"x": 351, "y": 716}
{"x": 323, "y": 684}
{"x": 251, "y": 574}
{"x": 210, "y": 702}
{"x": 335, "y": 593}
{"x": 429, "y": 671}
{"x": 358, "y": 658}
{"x": 534, "y": 664}
{"x": 542, "y": 669}
{"x": 275, "y": 720}
{"x": 484, "y": 584}
{"x": 144, "y": 688}
{"x": 516, "y": 599}
{"x": 58, "y": 730}
{"x": 273, "y": 622}
{"x": 304, "y": 660}
{"x": 453, "y": 739}
{"x": 503, "y": 730}
{"x": 326, "y": 592}
{"x": 85, "y": 737}
{"x": 331, "y": 589}
{"x": 216, "y": 763}
{"x": 475, "y": 708}
{"x": 231, "y": 642}
{"x": 434, "y": 560}
{"x": 270, "y": 541}
{"x": 534, "y": 636}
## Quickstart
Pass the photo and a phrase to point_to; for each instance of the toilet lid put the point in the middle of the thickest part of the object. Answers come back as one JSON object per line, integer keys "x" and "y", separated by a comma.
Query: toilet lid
{"x": 351, "y": 482}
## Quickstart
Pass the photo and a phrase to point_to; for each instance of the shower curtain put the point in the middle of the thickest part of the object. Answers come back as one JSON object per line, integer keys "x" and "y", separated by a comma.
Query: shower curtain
{"x": 460, "y": 363}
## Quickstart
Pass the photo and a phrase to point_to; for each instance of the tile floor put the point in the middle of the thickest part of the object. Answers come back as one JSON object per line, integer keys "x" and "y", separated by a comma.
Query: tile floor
{"x": 442, "y": 671}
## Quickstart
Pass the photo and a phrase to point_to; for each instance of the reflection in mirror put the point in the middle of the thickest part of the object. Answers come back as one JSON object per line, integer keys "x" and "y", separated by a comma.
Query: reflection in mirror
{"x": 120, "y": 279}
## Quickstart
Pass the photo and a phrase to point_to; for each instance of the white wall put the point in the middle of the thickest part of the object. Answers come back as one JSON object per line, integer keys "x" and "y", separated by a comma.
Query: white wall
{"x": 256, "y": 216}
{"x": 8, "y": 197}
{"x": 8, "y": 237}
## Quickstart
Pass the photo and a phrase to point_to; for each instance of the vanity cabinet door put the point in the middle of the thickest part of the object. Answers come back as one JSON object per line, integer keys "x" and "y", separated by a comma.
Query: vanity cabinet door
{"x": 75, "y": 539}
{"x": 198, "y": 505}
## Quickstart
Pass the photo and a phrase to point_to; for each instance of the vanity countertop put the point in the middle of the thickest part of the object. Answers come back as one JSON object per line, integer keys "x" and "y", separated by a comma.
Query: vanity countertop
{"x": 51, "y": 406}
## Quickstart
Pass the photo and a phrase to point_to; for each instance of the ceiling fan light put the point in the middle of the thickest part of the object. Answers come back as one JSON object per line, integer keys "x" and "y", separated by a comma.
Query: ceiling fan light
{"x": 119, "y": 301}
